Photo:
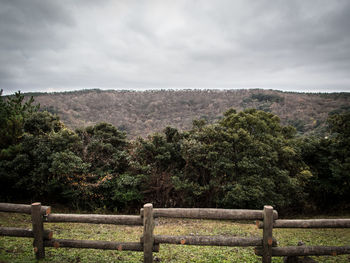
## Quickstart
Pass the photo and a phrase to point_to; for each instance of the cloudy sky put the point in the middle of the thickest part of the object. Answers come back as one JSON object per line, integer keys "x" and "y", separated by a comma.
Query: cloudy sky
{"x": 58, "y": 45}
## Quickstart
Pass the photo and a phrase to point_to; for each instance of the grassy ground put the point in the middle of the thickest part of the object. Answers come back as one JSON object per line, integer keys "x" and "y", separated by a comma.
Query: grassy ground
{"x": 20, "y": 249}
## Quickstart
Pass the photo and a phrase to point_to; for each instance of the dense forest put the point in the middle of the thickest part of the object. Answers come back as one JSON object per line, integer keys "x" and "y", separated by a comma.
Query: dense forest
{"x": 143, "y": 113}
{"x": 243, "y": 159}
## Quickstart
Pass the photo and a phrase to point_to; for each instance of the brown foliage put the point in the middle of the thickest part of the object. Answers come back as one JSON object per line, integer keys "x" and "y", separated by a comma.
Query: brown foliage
{"x": 142, "y": 113}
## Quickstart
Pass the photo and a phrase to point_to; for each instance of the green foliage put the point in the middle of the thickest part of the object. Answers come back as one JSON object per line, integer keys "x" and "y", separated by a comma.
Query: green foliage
{"x": 245, "y": 159}
{"x": 267, "y": 97}
{"x": 329, "y": 158}
{"x": 40, "y": 123}
{"x": 122, "y": 192}
{"x": 159, "y": 159}
{"x": 104, "y": 148}
{"x": 13, "y": 112}
{"x": 261, "y": 101}
{"x": 66, "y": 163}
{"x": 298, "y": 124}
{"x": 44, "y": 161}
{"x": 42, "y": 165}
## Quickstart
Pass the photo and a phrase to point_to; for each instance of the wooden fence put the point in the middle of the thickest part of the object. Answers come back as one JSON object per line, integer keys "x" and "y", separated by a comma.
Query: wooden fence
{"x": 292, "y": 252}
{"x": 266, "y": 246}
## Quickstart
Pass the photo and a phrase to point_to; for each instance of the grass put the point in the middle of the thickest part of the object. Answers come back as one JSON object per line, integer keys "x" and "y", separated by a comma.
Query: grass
{"x": 14, "y": 249}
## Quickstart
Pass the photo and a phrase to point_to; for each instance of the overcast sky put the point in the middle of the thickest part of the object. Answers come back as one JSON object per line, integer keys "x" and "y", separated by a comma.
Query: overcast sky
{"x": 68, "y": 45}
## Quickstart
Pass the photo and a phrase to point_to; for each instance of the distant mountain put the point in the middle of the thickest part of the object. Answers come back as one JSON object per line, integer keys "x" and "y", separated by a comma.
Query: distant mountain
{"x": 142, "y": 113}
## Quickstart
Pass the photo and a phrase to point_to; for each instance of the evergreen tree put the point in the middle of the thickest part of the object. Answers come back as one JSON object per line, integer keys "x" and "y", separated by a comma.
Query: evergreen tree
{"x": 329, "y": 158}
{"x": 246, "y": 160}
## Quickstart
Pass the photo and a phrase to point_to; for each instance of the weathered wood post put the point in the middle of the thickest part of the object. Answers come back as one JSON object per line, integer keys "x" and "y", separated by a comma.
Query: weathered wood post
{"x": 148, "y": 238}
{"x": 38, "y": 230}
{"x": 267, "y": 234}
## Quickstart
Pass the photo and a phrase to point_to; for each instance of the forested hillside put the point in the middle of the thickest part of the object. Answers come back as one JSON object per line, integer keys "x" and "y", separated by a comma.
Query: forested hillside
{"x": 244, "y": 159}
{"x": 142, "y": 113}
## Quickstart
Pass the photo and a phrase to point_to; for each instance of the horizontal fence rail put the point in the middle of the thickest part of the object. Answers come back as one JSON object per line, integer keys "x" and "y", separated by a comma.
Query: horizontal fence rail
{"x": 210, "y": 213}
{"x": 295, "y": 251}
{"x": 21, "y": 232}
{"x": 96, "y": 244}
{"x": 25, "y": 209}
{"x": 95, "y": 219}
{"x": 306, "y": 251}
{"x": 309, "y": 223}
{"x": 210, "y": 241}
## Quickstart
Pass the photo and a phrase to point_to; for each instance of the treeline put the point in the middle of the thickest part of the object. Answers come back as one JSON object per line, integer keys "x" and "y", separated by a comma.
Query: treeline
{"x": 244, "y": 160}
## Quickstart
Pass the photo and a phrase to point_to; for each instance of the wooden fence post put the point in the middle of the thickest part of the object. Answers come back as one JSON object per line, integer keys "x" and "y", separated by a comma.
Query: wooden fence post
{"x": 267, "y": 234}
{"x": 38, "y": 230}
{"x": 148, "y": 238}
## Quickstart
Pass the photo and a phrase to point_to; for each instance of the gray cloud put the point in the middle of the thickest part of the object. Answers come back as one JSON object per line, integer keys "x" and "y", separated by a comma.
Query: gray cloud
{"x": 67, "y": 45}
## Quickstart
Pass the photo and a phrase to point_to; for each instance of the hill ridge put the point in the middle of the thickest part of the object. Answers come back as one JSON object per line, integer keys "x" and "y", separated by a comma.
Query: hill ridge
{"x": 140, "y": 113}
